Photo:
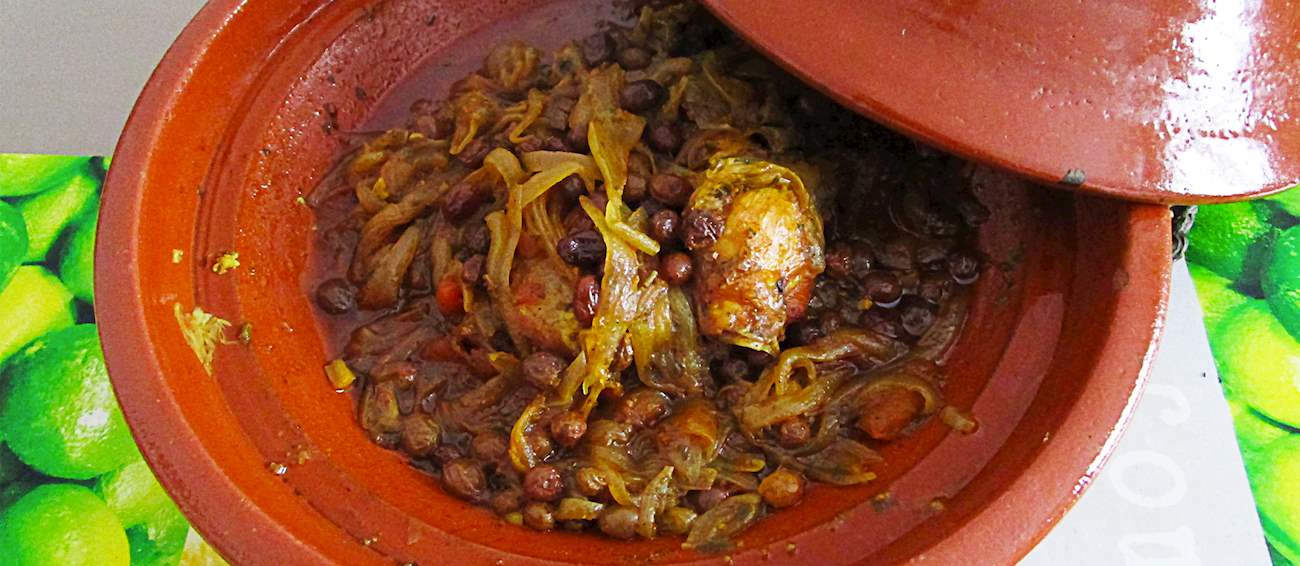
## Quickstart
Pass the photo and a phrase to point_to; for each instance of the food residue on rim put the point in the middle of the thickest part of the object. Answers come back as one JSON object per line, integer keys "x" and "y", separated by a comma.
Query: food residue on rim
{"x": 225, "y": 263}
{"x": 202, "y": 331}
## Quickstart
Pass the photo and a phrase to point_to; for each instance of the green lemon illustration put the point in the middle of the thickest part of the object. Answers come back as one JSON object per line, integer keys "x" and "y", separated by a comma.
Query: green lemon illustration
{"x": 22, "y": 175}
{"x": 1288, "y": 200}
{"x": 1260, "y": 362}
{"x": 1216, "y": 295}
{"x": 13, "y": 241}
{"x": 13, "y": 491}
{"x": 146, "y": 552}
{"x": 11, "y": 468}
{"x": 1282, "y": 280}
{"x": 62, "y": 524}
{"x": 1232, "y": 240}
{"x": 33, "y": 303}
{"x": 132, "y": 493}
{"x": 1273, "y": 480}
{"x": 59, "y": 413}
{"x": 160, "y": 539}
{"x": 48, "y": 213}
{"x": 1254, "y": 431}
{"x": 77, "y": 259}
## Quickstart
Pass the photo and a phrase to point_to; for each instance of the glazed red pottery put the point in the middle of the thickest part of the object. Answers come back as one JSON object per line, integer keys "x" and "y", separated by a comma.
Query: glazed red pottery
{"x": 247, "y": 112}
{"x": 1175, "y": 101}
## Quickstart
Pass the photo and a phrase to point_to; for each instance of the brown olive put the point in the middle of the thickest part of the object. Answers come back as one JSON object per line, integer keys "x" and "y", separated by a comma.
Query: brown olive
{"x": 577, "y": 221}
{"x": 570, "y": 189}
{"x": 758, "y": 360}
{"x": 529, "y": 145}
{"x": 664, "y": 137}
{"x": 419, "y": 435}
{"x": 576, "y": 139}
{"x": 507, "y": 501}
{"x": 554, "y": 143}
{"x": 931, "y": 254}
{"x": 883, "y": 288}
{"x": 710, "y": 498}
{"x": 651, "y": 207}
{"x": 434, "y": 127}
{"x": 734, "y": 369}
{"x": 445, "y": 453}
{"x": 635, "y": 190}
{"x": 916, "y": 317}
{"x": 839, "y": 259}
{"x": 670, "y": 189}
{"x": 634, "y": 58}
{"x": 589, "y": 481}
{"x": 933, "y": 286}
{"x": 488, "y": 446}
{"x": 542, "y": 369}
{"x": 700, "y": 229}
{"x": 642, "y": 95}
{"x": 473, "y": 153}
{"x": 477, "y": 240}
{"x": 584, "y": 249}
{"x": 794, "y": 432}
{"x": 462, "y": 200}
{"x": 677, "y": 268}
{"x": 642, "y": 407}
{"x": 883, "y": 322}
{"x": 586, "y": 297}
{"x": 540, "y": 444}
{"x": 429, "y": 403}
{"x": 597, "y": 48}
{"x": 543, "y": 483}
{"x": 663, "y": 226}
{"x": 964, "y": 267}
{"x": 471, "y": 272}
{"x": 861, "y": 260}
{"x": 336, "y": 296}
{"x": 782, "y": 488}
{"x": 804, "y": 333}
{"x": 464, "y": 478}
{"x": 898, "y": 254}
{"x": 568, "y": 428}
{"x": 649, "y": 265}
{"x": 539, "y": 516}
{"x": 618, "y": 522}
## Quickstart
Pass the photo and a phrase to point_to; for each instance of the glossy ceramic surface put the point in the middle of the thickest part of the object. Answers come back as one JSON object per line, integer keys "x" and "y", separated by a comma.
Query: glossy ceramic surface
{"x": 247, "y": 112}
{"x": 1176, "y": 101}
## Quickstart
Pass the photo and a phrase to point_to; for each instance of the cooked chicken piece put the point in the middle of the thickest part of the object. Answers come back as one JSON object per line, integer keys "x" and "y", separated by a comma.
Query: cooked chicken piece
{"x": 757, "y": 241}
{"x": 544, "y": 299}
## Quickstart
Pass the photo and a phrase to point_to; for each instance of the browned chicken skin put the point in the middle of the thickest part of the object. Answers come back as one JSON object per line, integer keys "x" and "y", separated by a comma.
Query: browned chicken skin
{"x": 757, "y": 274}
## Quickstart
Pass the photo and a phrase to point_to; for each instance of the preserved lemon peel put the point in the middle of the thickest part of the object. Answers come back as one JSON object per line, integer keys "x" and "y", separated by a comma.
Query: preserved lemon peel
{"x": 339, "y": 374}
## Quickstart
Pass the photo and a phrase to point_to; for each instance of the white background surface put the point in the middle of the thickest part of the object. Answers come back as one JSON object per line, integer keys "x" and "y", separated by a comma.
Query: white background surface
{"x": 1173, "y": 493}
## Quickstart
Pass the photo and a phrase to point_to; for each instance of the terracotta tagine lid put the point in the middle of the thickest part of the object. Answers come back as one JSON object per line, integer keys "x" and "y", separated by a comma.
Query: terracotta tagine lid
{"x": 1176, "y": 101}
